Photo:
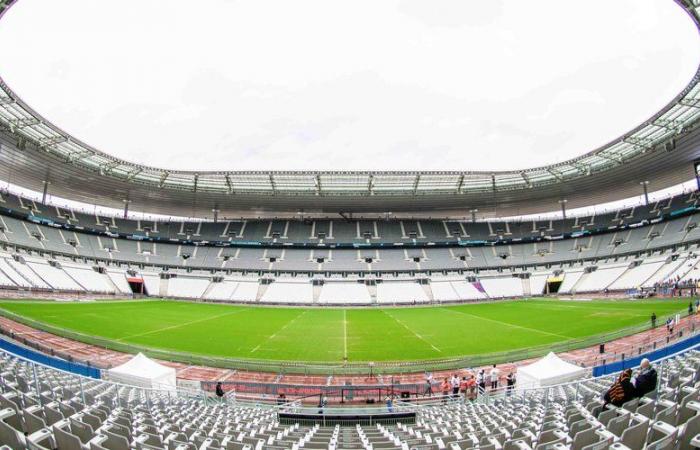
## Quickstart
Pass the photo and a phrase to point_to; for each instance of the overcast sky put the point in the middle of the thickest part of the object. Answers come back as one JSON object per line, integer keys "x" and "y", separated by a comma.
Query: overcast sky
{"x": 339, "y": 85}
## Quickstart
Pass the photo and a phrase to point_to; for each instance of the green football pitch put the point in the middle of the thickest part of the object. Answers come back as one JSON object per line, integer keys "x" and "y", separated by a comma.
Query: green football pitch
{"x": 335, "y": 334}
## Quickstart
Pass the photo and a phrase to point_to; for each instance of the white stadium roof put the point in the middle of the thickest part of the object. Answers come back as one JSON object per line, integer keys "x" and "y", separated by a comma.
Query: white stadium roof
{"x": 660, "y": 150}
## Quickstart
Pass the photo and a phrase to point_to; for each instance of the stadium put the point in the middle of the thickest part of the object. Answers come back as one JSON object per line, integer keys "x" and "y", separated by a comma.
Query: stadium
{"x": 147, "y": 306}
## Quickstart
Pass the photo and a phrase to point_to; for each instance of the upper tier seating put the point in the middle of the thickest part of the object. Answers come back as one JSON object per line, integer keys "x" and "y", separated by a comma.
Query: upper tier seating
{"x": 425, "y": 258}
{"x": 43, "y": 257}
{"x": 338, "y": 230}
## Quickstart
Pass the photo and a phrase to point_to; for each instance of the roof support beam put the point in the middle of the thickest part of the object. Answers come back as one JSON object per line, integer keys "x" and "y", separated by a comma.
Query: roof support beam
{"x": 77, "y": 156}
{"x": 163, "y": 177}
{"x": 526, "y": 178}
{"x": 460, "y": 183}
{"x": 45, "y": 143}
{"x": 133, "y": 173}
{"x": 668, "y": 124}
{"x": 493, "y": 182}
{"x": 584, "y": 169}
{"x": 612, "y": 158}
{"x": 642, "y": 144}
{"x": 690, "y": 102}
{"x": 555, "y": 174}
{"x": 229, "y": 185}
{"x": 416, "y": 182}
{"x": 370, "y": 184}
{"x": 24, "y": 123}
{"x": 272, "y": 184}
{"x": 107, "y": 168}
{"x": 317, "y": 184}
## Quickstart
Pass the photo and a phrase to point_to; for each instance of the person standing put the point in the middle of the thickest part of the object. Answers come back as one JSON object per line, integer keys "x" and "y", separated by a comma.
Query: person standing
{"x": 428, "y": 384}
{"x": 494, "y": 377}
{"x": 653, "y": 320}
{"x": 445, "y": 388}
{"x": 471, "y": 388}
{"x": 454, "y": 383}
{"x": 510, "y": 383}
{"x": 481, "y": 381}
{"x": 463, "y": 387}
{"x": 219, "y": 390}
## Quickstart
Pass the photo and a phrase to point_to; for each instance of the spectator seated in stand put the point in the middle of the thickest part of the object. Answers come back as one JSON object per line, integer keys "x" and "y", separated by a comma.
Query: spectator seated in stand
{"x": 622, "y": 390}
{"x": 646, "y": 380}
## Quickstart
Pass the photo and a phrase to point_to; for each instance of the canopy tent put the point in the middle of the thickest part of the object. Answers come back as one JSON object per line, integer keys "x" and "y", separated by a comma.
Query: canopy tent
{"x": 548, "y": 371}
{"x": 144, "y": 372}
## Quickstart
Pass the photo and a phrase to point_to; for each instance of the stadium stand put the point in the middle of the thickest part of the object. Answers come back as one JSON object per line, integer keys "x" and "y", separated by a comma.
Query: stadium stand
{"x": 352, "y": 231}
{"x": 66, "y": 275}
{"x": 44, "y": 408}
{"x": 40, "y": 256}
{"x": 324, "y": 238}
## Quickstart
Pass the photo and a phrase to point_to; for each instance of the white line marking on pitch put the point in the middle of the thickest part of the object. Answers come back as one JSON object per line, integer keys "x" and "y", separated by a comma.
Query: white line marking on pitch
{"x": 272, "y": 336}
{"x": 345, "y": 333}
{"x": 416, "y": 334}
{"x": 181, "y": 325}
{"x": 506, "y": 323}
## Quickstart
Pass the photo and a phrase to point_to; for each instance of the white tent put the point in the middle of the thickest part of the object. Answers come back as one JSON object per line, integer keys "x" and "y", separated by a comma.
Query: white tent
{"x": 548, "y": 371}
{"x": 144, "y": 372}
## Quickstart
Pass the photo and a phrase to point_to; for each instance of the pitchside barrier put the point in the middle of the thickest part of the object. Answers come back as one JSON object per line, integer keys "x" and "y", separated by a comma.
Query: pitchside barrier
{"x": 655, "y": 355}
{"x": 56, "y": 363}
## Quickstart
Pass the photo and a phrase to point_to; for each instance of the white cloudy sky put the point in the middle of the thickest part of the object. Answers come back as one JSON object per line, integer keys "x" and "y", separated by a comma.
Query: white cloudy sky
{"x": 339, "y": 85}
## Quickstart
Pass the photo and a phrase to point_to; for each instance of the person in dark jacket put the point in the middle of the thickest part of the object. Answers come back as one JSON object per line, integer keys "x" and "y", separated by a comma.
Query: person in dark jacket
{"x": 622, "y": 390}
{"x": 510, "y": 383}
{"x": 646, "y": 379}
{"x": 219, "y": 390}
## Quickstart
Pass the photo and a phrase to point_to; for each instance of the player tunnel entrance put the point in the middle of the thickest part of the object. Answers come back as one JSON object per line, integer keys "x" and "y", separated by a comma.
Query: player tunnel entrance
{"x": 553, "y": 284}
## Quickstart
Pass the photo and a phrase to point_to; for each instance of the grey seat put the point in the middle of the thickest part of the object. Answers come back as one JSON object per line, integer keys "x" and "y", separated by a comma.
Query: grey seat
{"x": 66, "y": 440}
{"x": 10, "y": 436}
{"x": 109, "y": 441}
{"x": 664, "y": 436}
{"x": 668, "y": 414}
{"x": 617, "y": 425}
{"x": 631, "y": 405}
{"x": 607, "y": 415}
{"x": 83, "y": 431}
{"x": 647, "y": 409}
{"x": 634, "y": 437}
{"x": 584, "y": 438}
{"x": 32, "y": 422}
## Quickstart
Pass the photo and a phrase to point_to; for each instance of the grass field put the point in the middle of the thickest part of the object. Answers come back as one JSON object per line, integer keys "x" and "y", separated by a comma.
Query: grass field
{"x": 332, "y": 334}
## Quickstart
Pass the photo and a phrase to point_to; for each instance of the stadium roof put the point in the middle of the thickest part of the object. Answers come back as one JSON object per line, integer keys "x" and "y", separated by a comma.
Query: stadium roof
{"x": 660, "y": 151}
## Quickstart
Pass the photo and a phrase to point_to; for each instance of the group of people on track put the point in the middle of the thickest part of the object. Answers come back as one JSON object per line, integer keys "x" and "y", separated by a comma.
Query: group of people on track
{"x": 469, "y": 386}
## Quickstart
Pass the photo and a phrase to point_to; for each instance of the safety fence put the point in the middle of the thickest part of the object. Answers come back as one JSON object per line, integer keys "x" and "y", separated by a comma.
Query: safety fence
{"x": 49, "y": 361}
{"x": 654, "y": 355}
